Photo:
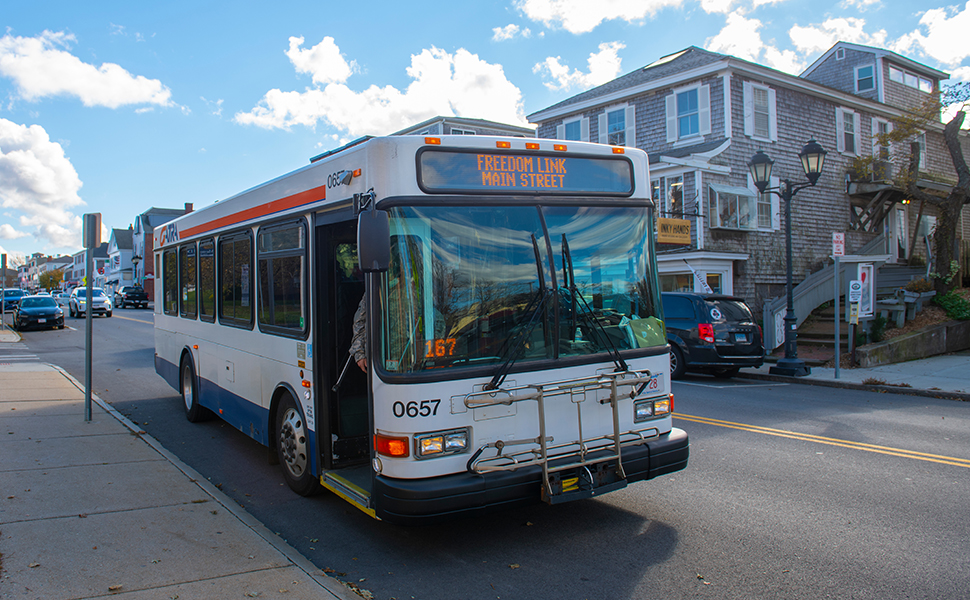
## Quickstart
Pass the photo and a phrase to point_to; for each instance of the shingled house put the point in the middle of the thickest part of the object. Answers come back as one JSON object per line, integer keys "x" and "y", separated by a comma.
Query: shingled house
{"x": 701, "y": 116}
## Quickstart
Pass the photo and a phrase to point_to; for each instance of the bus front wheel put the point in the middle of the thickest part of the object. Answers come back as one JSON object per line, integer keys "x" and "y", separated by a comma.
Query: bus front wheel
{"x": 194, "y": 411}
{"x": 292, "y": 448}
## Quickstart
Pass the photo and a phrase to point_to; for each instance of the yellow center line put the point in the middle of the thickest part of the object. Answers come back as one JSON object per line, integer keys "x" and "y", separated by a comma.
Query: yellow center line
{"x": 807, "y": 437}
{"x": 117, "y": 316}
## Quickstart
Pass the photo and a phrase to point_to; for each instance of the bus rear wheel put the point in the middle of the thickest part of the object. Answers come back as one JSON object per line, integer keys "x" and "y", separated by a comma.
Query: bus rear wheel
{"x": 194, "y": 411}
{"x": 293, "y": 449}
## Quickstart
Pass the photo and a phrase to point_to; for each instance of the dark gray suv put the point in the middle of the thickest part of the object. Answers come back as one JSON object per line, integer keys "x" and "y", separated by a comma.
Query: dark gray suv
{"x": 710, "y": 333}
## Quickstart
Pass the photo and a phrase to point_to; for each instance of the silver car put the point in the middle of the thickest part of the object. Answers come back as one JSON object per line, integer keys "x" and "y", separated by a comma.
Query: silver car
{"x": 100, "y": 305}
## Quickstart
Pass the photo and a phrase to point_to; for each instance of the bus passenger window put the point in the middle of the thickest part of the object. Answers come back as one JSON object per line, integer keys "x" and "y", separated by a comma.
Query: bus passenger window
{"x": 235, "y": 280}
{"x": 170, "y": 283}
{"x": 187, "y": 269}
{"x": 282, "y": 281}
{"x": 207, "y": 280}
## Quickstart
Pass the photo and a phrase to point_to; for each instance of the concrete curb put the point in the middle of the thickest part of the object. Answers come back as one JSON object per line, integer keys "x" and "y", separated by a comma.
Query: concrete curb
{"x": 850, "y": 385}
{"x": 332, "y": 585}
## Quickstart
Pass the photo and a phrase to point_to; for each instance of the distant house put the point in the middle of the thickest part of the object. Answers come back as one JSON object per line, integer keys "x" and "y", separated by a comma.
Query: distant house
{"x": 119, "y": 260}
{"x": 143, "y": 248}
{"x": 463, "y": 126}
{"x": 75, "y": 273}
{"x": 701, "y": 116}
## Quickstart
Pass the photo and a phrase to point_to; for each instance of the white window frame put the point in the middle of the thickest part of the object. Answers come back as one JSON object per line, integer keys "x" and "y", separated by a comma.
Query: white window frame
{"x": 921, "y": 140}
{"x": 840, "y": 130}
{"x": 703, "y": 114}
{"x": 670, "y": 182}
{"x": 457, "y": 131}
{"x": 767, "y": 199}
{"x": 872, "y": 77}
{"x": 583, "y": 129}
{"x": 629, "y": 125}
{"x": 840, "y": 54}
{"x": 720, "y": 195}
{"x": 749, "y": 112}
{"x": 876, "y": 146}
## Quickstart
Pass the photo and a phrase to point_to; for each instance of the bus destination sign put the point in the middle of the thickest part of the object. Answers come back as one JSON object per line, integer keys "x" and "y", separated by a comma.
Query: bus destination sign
{"x": 444, "y": 171}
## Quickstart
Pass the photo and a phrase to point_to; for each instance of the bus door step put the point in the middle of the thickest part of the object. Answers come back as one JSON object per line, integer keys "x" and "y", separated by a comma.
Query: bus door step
{"x": 566, "y": 486}
{"x": 349, "y": 491}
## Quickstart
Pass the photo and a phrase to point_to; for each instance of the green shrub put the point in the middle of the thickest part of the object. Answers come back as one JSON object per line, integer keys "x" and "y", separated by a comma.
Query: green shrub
{"x": 955, "y": 306}
{"x": 878, "y": 328}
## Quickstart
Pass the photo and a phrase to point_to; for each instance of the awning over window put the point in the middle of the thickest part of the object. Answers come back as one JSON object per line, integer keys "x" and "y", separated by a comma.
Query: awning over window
{"x": 732, "y": 190}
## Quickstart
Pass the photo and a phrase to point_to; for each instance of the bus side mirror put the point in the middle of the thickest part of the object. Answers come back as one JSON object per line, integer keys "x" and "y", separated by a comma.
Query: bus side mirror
{"x": 373, "y": 241}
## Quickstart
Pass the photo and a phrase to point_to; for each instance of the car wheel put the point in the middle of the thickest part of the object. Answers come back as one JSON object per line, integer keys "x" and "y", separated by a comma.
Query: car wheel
{"x": 292, "y": 448}
{"x": 726, "y": 373}
{"x": 677, "y": 364}
{"x": 194, "y": 411}
{"x": 108, "y": 314}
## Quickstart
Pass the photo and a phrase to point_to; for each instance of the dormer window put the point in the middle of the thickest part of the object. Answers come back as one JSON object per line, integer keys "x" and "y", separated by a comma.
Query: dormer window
{"x": 865, "y": 78}
{"x": 912, "y": 80}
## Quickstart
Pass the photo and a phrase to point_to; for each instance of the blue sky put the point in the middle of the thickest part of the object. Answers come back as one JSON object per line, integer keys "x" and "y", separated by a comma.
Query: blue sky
{"x": 115, "y": 107}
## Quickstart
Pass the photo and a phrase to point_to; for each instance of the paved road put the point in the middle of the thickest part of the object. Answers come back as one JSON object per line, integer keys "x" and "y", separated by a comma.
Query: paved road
{"x": 793, "y": 491}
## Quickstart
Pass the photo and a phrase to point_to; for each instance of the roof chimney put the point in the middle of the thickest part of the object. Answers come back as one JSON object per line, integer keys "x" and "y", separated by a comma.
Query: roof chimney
{"x": 188, "y": 207}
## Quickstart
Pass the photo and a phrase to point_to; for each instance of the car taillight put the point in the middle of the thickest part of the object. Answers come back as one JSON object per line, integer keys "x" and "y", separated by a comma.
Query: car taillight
{"x": 706, "y": 332}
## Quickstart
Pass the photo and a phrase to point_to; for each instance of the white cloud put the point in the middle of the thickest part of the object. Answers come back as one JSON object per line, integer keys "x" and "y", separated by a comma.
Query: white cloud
{"x": 40, "y": 184}
{"x": 42, "y": 67}
{"x": 582, "y": 16}
{"x": 944, "y": 38}
{"x": 7, "y": 232}
{"x": 324, "y": 61}
{"x": 717, "y": 6}
{"x": 459, "y": 84}
{"x": 960, "y": 74}
{"x": 814, "y": 39}
{"x": 858, "y": 4}
{"x": 603, "y": 66}
{"x": 740, "y": 37}
{"x": 501, "y": 34}
{"x": 786, "y": 61}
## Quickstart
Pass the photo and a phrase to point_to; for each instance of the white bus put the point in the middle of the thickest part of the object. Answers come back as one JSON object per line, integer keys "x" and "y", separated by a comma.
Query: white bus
{"x": 515, "y": 341}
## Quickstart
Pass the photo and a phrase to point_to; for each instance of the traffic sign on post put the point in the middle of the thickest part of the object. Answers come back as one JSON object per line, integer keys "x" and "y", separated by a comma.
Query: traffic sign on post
{"x": 855, "y": 291}
{"x": 838, "y": 244}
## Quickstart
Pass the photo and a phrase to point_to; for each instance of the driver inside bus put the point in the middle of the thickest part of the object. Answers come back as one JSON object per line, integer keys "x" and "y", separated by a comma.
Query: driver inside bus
{"x": 358, "y": 345}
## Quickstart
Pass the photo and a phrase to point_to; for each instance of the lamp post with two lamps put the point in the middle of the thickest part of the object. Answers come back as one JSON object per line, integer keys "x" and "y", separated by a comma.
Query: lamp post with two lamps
{"x": 812, "y": 157}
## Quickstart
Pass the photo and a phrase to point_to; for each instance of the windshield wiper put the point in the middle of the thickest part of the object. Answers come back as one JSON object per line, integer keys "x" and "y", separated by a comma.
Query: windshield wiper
{"x": 535, "y": 307}
{"x": 588, "y": 316}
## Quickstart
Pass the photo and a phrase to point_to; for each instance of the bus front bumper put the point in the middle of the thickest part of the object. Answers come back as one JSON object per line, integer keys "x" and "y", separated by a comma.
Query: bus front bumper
{"x": 462, "y": 495}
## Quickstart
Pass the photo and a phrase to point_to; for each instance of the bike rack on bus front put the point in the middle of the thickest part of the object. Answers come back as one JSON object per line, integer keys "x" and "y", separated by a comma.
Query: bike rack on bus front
{"x": 573, "y": 455}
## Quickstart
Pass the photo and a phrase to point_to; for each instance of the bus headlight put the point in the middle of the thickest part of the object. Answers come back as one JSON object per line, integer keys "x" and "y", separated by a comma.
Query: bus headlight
{"x": 440, "y": 443}
{"x": 653, "y": 408}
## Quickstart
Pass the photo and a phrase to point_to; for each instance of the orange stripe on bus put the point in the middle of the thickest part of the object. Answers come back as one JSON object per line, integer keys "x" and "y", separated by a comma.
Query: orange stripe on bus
{"x": 311, "y": 195}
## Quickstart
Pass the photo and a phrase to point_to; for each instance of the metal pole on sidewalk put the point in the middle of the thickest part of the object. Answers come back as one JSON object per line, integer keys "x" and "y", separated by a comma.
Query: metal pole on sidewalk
{"x": 838, "y": 318}
{"x": 92, "y": 239}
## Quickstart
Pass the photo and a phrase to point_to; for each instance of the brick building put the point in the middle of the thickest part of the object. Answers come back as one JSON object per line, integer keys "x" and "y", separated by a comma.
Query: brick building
{"x": 701, "y": 116}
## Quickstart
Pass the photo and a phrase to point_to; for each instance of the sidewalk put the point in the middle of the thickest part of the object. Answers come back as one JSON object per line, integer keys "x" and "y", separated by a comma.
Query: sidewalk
{"x": 99, "y": 508}
{"x": 943, "y": 376}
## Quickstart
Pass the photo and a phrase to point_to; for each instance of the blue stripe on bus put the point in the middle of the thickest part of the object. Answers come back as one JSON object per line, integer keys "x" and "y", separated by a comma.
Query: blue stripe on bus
{"x": 236, "y": 410}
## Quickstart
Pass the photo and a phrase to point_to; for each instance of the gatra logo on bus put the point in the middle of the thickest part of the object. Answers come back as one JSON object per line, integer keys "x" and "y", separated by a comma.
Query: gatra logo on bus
{"x": 169, "y": 235}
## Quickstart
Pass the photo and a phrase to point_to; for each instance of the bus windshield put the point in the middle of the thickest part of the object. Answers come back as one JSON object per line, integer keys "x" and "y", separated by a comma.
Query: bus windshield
{"x": 473, "y": 286}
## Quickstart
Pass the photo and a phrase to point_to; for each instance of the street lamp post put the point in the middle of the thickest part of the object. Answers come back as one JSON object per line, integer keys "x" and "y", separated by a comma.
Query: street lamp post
{"x": 812, "y": 157}
{"x": 134, "y": 263}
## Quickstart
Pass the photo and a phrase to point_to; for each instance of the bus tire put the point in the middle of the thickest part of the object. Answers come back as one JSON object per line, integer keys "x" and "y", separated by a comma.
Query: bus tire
{"x": 677, "y": 364}
{"x": 293, "y": 449}
{"x": 194, "y": 411}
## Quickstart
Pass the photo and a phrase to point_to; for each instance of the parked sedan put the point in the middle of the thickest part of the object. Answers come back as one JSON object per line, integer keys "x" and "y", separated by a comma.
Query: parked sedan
{"x": 100, "y": 305}
{"x": 38, "y": 311}
{"x": 711, "y": 333}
